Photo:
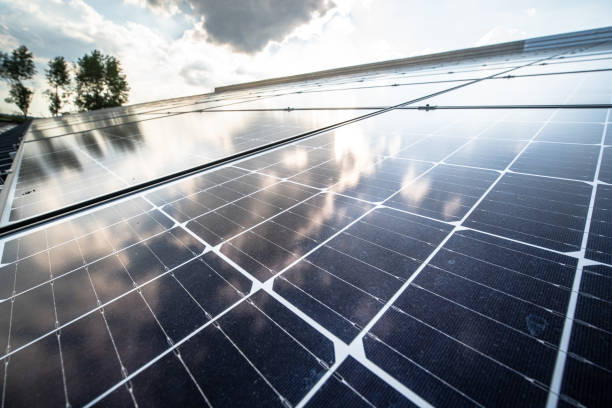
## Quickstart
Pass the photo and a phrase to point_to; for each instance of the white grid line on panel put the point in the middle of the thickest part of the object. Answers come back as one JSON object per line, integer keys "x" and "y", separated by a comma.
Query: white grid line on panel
{"x": 556, "y": 382}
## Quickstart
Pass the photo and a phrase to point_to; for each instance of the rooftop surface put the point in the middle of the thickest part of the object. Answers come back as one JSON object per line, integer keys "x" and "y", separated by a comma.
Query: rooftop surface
{"x": 432, "y": 231}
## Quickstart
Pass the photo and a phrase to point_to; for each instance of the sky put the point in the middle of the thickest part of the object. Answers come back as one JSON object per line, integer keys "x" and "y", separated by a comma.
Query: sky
{"x": 172, "y": 48}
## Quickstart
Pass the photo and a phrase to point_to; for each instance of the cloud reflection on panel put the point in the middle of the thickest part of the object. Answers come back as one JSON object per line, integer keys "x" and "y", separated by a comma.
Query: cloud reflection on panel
{"x": 63, "y": 170}
{"x": 363, "y": 163}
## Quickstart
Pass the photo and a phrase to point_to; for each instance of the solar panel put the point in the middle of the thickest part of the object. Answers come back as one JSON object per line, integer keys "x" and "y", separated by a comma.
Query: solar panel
{"x": 418, "y": 256}
{"x": 73, "y": 167}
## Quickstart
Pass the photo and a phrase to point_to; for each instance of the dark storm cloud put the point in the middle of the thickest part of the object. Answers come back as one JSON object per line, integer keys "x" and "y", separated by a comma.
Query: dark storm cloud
{"x": 248, "y": 25}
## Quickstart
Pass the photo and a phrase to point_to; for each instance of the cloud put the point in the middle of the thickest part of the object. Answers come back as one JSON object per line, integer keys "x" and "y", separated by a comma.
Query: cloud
{"x": 248, "y": 25}
{"x": 501, "y": 34}
{"x": 7, "y": 42}
{"x": 196, "y": 73}
{"x": 531, "y": 12}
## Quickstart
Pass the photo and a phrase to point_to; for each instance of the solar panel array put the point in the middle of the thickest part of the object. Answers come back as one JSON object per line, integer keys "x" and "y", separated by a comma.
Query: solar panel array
{"x": 455, "y": 250}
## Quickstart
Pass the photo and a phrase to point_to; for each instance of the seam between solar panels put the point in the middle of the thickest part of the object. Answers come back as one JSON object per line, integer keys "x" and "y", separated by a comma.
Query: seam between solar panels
{"x": 427, "y": 107}
{"x": 450, "y": 80}
{"x": 5, "y": 229}
{"x": 564, "y": 343}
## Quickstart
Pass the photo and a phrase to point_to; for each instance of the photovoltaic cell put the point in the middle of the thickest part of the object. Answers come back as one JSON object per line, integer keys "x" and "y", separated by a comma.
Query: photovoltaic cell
{"x": 576, "y": 162}
{"x": 605, "y": 171}
{"x": 599, "y": 243}
{"x": 354, "y": 385}
{"x": 512, "y": 130}
{"x": 585, "y": 133}
{"x": 546, "y": 212}
{"x": 490, "y": 154}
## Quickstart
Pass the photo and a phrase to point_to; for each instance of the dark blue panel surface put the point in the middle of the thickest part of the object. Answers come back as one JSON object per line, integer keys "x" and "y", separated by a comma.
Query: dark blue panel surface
{"x": 605, "y": 171}
{"x": 589, "y": 360}
{"x": 586, "y": 383}
{"x": 585, "y": 133}
{"x": 32, "y": 316}
{"x": 542, "y": 211}
{"x": 213, "y": 292}
{"x": 73, "y": 295}
{"x": 433, "y": 148}
{"x": 478, "y": 376}
{"x": 91, "y": 364}
{"x": 489, "y": 154}
{"x": 599, "y": 243}
{"x": 572, "y": 161}
{"x": 512, "y": 130}
{"x": 354, "y": 385}
{"x": 218, "y": 367}
{"x": 28, "y": 383}
{"x": 176, "y": 311}
{"x": 135, "y": 331}
{"x": 166, "y": 383}
{"x": 110, "y": 279}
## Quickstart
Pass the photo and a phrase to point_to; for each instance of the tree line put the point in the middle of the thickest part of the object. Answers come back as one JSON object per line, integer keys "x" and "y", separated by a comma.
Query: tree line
{"x": 95, "y": 81}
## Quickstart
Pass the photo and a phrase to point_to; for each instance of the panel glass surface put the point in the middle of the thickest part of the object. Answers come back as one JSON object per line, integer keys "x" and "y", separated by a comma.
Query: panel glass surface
{"x": 449, "y": 257}
{"x": 581, "y": 88}
{"x": 58, "y": 171}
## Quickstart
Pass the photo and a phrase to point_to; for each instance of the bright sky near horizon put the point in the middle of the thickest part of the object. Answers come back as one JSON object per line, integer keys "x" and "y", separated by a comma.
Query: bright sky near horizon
{"x": 172, "y": 48}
